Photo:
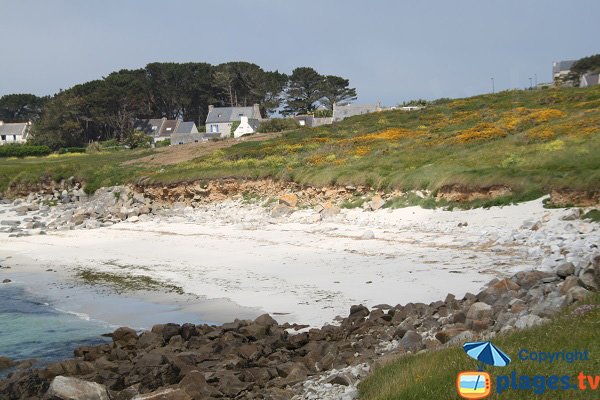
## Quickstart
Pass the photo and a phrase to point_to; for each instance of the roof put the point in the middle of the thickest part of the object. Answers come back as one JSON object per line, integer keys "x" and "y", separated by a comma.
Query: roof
{"x": 565, "y": 65}
{"x": 168, "y": 127}
{"x": 19, "y": 128}
{"x": 230, "y": 114}
{"x": 149, "y": 126}
{"x": 187, "y": 127}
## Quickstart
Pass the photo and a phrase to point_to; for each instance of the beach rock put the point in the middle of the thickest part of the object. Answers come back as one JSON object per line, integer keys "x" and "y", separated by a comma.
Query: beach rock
{"x": 289, "y": 199}
{"x": 194, "y": 384}
{"x": 577, "y": 294}
{"x": 479, "y": 311}
{"x": 125, "y": 337}
{"x": 528, "y": 321}
{"x": 358, "y": 311}
{"x": 281, "y": 210}
{"x": 6, "y": 362}
{"x": 588, "y": 279}
{"x": 329, "y": 210}
{"x": 565, "y": 269}
{"x": 376, "y": 203}
{"x": 65, "y": 388}
{"x": 411, "y": 341}
{"x": 164, "y": 394}
{"x": 6, "y": 281}
{"x": 10, "y": 223}
{"x": 367, "y": 235}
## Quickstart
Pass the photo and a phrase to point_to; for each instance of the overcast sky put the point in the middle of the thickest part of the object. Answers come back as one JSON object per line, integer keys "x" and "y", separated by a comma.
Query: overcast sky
{"x": 390, "y": 50}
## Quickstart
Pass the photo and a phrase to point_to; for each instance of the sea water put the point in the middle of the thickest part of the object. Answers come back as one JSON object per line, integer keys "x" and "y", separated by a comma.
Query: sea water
{"x": 32, "y": 328}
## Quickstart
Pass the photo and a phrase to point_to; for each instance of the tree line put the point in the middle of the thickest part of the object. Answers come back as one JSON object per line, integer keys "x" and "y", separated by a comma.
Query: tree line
{"x": 105, "y": 108}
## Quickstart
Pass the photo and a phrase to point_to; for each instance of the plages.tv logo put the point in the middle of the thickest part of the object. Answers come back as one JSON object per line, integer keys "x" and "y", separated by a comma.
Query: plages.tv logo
{"x": 478, "y": 384}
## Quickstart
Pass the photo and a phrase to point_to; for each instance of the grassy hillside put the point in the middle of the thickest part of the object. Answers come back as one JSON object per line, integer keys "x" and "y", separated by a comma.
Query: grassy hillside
{"x": 532, "y": 141}
{"x": 432, "y": 375}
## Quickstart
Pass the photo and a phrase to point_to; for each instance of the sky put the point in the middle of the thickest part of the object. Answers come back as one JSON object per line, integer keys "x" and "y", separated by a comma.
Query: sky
{"x": 392, "y": 51}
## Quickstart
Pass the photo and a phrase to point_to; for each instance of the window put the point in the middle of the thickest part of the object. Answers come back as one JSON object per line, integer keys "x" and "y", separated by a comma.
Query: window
{"x": 214, "y": 128}
{"x": 169, "y": 129}
{"x": 3, "y": 137}
{"x": 302, "y": 122}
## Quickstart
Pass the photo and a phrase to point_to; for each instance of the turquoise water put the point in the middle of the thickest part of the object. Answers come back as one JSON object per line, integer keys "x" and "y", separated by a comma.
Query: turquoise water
{"x": 31, "y": 328}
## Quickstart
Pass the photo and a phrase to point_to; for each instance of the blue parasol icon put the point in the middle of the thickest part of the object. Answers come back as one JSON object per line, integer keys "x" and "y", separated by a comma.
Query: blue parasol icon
{"x": 486, "y": 353}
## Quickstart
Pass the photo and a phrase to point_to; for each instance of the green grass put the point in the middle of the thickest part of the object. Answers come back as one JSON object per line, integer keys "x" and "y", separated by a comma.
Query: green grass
{"x": 593, "y": 215}
{"x": 96, "y": 169}
{"x": 432, "y": 375}
{"x": 478, "y": 142}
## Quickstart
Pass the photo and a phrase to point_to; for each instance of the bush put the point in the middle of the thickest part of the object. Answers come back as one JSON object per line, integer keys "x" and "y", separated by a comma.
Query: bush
{"x": 234, "y": 126}
{"x": 278, "y": 125}
{"x": 163, "y": 143}
{"x": 15, "y": 150}
{"x": 323, "y": 114}
{"x": 138, "y": 139}
{"x": 64, "y": 150}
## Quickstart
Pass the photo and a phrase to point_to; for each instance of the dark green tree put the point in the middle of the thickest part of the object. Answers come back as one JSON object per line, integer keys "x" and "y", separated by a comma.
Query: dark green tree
{"x": 305, "y": 89}
{"x": 584, "y": 66}
{"x": 336, "y": 90}
{"x": 61, "y": 124}
{"x": 21, "y": 107}
{"x": 244, "y": 84}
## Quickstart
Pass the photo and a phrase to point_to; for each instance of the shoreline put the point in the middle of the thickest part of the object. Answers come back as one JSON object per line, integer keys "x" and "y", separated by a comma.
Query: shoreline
{"x": 297, "y": 270}
{"x": 303, "y": 266}
{"x": 139, "y": 309}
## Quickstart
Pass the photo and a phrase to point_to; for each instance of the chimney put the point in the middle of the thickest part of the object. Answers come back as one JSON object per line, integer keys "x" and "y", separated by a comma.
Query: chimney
{"x": 210, "y": 107}
{"x": 256, "y": 109}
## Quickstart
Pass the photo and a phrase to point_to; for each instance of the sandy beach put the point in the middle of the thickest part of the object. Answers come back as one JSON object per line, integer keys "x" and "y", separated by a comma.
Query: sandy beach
{"x": 233, "y": 260}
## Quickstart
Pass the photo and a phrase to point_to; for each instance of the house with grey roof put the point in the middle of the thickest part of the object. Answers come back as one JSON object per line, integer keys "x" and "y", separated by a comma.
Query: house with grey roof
{"x": 157, "y": 128}
{"x": 14, "y": 132}
{"x": 350, "y": 110}
{"x": 186, "y": 132}
{"x": 220, "y": 119}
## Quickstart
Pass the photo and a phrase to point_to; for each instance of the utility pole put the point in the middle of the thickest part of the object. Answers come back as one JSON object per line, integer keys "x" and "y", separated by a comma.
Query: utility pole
{"x": 493, "y": 87}
{"x": 535, "y": 77}
{"x": 530, "y": 84}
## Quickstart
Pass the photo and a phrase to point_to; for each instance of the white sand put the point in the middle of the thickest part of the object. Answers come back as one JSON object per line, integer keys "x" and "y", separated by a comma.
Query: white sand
{"x": 311, "y": 272}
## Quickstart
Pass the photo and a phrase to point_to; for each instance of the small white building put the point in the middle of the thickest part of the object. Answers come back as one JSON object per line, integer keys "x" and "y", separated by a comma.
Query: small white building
{"x": 244, "y": 128}
{"x": 14, "y": 132}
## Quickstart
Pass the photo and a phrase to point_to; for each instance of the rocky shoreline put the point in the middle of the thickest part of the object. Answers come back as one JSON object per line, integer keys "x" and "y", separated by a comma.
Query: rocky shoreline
{"x": 261, "y": 359}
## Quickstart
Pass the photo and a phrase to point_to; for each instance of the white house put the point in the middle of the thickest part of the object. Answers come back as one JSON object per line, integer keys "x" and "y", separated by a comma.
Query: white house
{"x": 244, "y": 128}
{"x": 220, "y": 119}
{"x": 14, "y": 132}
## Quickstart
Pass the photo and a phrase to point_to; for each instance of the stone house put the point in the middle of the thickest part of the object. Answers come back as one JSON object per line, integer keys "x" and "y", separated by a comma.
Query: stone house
{"x": 220, "y": 119}
{"x": 350, "y": 110}
{"x": 14, "y": 132}
{"x": 311, "y": 121}
{"x": 158, "y": 128}
{"x": 186, "y": 132}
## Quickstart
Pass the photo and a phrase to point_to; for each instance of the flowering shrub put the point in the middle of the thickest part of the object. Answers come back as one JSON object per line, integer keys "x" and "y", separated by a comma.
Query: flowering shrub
{"x": 361, "y": 151}
{"x": 541, "y": 133}
{"x": 545, "y": 115}
{"x": 481, "y": 131}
